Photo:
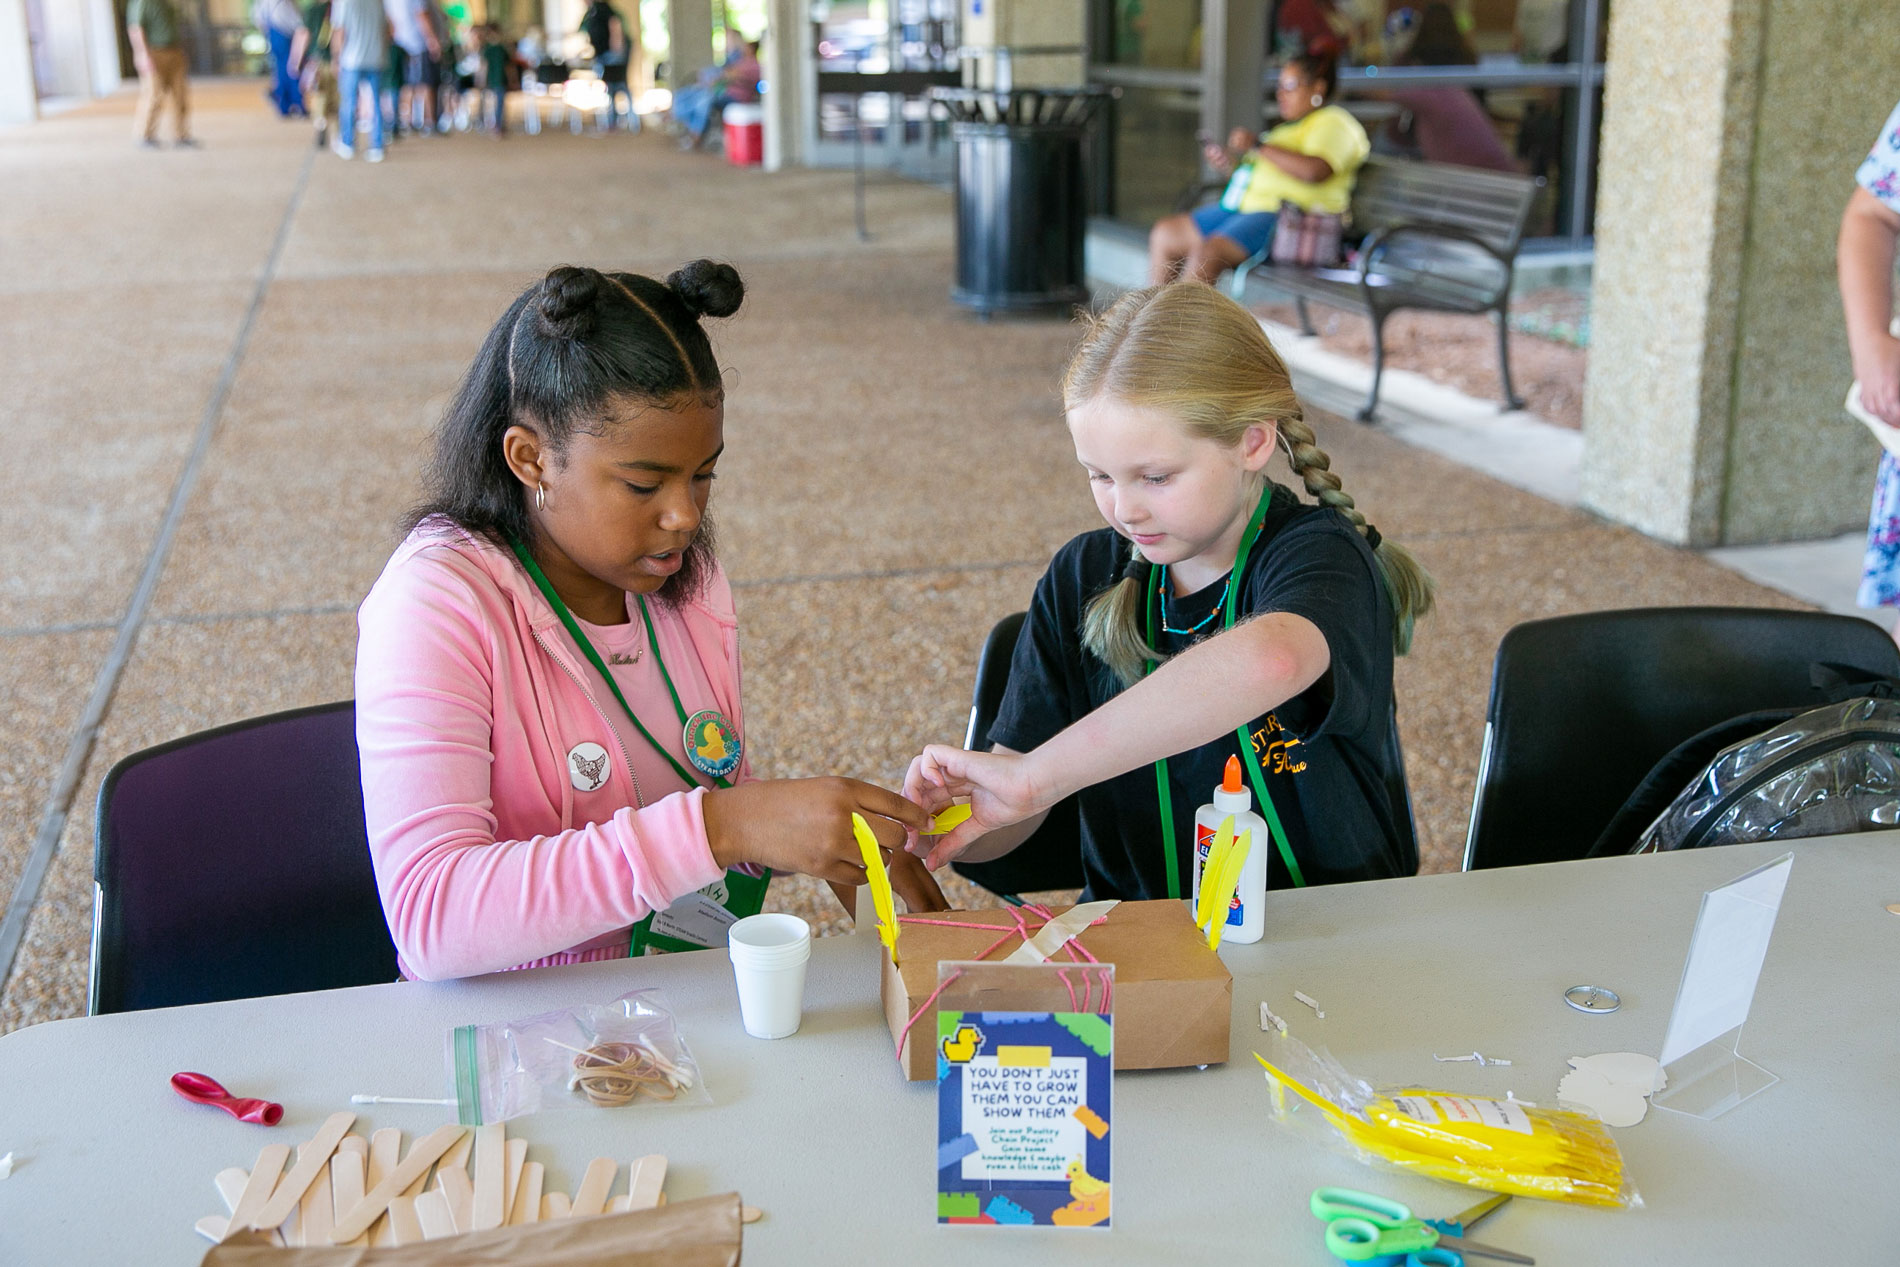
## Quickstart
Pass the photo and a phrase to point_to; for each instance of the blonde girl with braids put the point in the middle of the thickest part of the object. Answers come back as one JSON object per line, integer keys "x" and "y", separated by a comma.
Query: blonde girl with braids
{"x": 1217, "y": 615}
{"x": 548, "y": 717}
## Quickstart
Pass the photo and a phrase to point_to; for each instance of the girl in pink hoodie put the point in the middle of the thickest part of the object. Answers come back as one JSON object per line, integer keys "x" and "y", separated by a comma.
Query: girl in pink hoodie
{"x": 547, "y": 674}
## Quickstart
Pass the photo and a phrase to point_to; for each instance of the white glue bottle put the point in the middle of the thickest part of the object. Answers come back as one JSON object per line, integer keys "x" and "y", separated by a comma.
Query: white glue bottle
{"x": 1247, "y": 914}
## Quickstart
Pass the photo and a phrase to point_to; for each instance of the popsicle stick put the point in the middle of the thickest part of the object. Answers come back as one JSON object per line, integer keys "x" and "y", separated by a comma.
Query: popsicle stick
{"x": 432, "y": 1215}
{"x": 404, "y": 1228}
{"x": 750, "y": 1214}
{"x": 591, "y": 1197}
{"x": 618, "y": 1205}
{"x": 527, "y": 1206}
{"x": 310, "y": 1159}
{"x": 212, "y": 1227}
{"x": 230, "y": 1183}
{"x": 491, "y": 1178}
{"x": 458, "y": 1155}
{"x": 555, "y": 1205}
{"x": 453, "y": 1183}
{"x": 385, "y": 1150}
{"x": 647, "y": 1178}
{"x": 346, "y": 1180}
{"x": 517, "y": 1158}
{"x": 257, "y": 1189}
{"x": 318, "y": 1210}
{"x": 422, "y": 1154}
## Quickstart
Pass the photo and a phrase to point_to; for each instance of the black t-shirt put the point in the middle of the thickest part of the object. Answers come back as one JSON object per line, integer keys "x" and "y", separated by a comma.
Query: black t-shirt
{"x": 596, "y": 26}
{"x": 1330, "y": 755}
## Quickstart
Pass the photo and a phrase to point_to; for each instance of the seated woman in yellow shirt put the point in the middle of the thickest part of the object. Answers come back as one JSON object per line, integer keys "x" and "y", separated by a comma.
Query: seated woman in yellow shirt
{"x": 1309, "y": 160}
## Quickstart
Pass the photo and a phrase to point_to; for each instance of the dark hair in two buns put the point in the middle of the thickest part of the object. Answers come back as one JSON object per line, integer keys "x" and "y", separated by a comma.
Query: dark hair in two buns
{"x": 571, "y": 350}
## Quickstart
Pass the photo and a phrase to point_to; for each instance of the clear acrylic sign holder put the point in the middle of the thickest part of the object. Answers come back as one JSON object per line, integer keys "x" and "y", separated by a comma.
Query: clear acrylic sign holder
{"x": 1025, "y": 1083}
{"x": 1702, "y": 1073}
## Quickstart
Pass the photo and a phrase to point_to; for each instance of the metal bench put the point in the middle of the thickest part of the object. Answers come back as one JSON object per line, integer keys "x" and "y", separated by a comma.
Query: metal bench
{"x": 1436, "y": 236}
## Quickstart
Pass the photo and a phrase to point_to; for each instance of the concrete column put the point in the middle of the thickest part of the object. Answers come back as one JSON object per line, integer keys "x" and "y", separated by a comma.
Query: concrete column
{"x": 1026, "y": 24}
{"x": 791, "y": 81}
{"x": 18, "y": 101}
{"x": 1718, "y": 361}
{"x": 102, "y": 45}
{"x": 689, "y": 34}
{"x": 1233, "y": 57}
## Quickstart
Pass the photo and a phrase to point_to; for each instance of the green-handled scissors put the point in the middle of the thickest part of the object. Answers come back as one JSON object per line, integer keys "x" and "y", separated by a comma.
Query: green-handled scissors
{"x": 1360, "y": 1226}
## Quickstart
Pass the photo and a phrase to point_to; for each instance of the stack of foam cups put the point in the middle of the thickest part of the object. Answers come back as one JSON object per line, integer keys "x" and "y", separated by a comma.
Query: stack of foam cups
{"x": 769, "y": 953}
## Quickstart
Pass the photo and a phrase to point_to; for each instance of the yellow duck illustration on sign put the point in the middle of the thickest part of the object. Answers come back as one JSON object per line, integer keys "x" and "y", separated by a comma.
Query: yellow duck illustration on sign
{"x": 712, "y": 744}
{"x": 1090, "y": 1204}
{"x": 963, "y": 1046}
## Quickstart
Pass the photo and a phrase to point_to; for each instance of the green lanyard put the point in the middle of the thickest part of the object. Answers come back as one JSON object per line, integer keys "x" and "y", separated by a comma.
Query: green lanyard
{"x": 1251, "y": 759}
{"x": 593, "y": 658}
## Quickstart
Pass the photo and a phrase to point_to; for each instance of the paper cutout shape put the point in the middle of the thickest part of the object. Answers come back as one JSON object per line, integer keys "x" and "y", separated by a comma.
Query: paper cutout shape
{"x": 1090, "y": 1028}
{"x": 958, "y": 1205}
{"x": 880, "y": 882}
{"x": 1615, "y": 1085}
{"x": 1005, "y": 1211}
{"x": 1022, "y": 1057}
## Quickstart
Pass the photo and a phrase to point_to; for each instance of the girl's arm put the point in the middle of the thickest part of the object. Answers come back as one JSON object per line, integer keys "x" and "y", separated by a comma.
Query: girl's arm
{"x": 1865, "y": 262}
{"x": 1306, "y": 167}
{"x": 1205, "y": 692}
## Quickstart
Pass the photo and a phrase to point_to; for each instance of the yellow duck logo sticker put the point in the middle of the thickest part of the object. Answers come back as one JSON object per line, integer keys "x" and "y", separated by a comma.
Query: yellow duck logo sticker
{"x": 961, "y": 1047}
{"x": 712, "y": 744}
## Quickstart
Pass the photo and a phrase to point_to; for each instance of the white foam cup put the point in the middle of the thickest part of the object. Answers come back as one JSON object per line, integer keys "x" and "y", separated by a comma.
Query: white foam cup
{"x": 769, "y": 953}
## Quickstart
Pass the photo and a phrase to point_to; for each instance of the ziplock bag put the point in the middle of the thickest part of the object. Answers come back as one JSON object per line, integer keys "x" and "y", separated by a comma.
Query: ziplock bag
{"x": 607, "y": 1055}
{"x": 1496, "y": 1145}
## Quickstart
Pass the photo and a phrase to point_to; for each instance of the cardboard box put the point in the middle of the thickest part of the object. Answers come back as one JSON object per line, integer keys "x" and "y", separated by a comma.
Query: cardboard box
{"x": 1173, "y": 996}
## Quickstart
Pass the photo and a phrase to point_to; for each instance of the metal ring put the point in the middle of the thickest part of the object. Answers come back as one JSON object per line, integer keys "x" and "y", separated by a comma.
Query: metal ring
{"x": 1593, "y": 999}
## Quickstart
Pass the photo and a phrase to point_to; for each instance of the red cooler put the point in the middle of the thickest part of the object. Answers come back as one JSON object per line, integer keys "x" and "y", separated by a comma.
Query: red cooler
{"x": 745, "y": 134}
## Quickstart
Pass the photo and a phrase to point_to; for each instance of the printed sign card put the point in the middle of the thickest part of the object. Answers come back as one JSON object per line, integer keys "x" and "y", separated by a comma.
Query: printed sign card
{"x": 1025, "y": 1081}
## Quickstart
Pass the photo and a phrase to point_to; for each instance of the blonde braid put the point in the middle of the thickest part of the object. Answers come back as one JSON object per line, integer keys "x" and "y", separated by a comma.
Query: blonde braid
{"x": 1407, "y": 584}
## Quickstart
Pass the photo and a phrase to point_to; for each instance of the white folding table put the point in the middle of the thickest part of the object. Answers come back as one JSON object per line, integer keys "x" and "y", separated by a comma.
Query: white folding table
{"x": 820, "y": 1131}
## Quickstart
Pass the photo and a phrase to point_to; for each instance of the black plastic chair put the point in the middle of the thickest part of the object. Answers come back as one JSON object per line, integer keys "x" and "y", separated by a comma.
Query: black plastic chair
{"x": 235, "y": 863}
{"x": 1052, "y": 857}
{"x": 1583, "y": 706}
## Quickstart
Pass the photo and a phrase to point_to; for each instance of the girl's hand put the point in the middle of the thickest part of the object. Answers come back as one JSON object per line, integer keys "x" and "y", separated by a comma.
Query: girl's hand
{"x": 804, "y": 825}
{"x": 1217, "y": 158}
{"x": 1001, "y": 787}
{"x": 1877, "y": 369}
{"x": 1239, "y": 141}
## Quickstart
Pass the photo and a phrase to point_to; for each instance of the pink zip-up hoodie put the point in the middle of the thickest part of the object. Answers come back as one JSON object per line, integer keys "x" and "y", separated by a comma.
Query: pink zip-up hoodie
{"x": 470, "y": 696}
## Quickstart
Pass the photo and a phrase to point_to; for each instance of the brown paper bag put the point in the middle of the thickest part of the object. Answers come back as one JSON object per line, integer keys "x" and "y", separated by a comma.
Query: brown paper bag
{"x": 702, "y": 1233}
{"x": 1173, "y": 996}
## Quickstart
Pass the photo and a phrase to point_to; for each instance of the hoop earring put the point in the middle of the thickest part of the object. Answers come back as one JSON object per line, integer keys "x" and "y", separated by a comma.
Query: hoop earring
{"x": 540, "y": 496}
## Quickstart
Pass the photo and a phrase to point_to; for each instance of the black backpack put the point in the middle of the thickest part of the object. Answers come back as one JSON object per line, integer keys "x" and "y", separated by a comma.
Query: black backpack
{"x": 1780, "y": 774}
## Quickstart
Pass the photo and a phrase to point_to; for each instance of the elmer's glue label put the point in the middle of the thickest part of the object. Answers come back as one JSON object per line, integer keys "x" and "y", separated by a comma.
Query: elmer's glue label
{"x": 1246, "y": 914}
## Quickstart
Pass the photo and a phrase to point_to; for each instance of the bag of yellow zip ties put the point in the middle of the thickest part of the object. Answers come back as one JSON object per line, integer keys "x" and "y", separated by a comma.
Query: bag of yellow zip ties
{"x": 1497, "y": 1145}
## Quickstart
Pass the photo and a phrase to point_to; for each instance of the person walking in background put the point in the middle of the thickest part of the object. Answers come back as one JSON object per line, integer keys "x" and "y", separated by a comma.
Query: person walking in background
{"x": 411, "y": 31}
{"x": 495, "y": 61}
{"x": 1864, "y": 258}
{"x": 360, "y": 39}
{"x": 316, "y": 75}
{"x": 279, "y": 22}
{"x": 158, "y": 51}
{"x": 607, "y": 36}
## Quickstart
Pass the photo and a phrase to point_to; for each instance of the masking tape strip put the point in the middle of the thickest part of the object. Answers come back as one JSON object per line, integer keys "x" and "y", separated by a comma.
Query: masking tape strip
{"x": 1059, "y": 931}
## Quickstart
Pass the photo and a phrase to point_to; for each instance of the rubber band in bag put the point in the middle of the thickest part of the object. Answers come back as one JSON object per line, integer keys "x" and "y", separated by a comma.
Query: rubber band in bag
{"x": 609, "y": 1055}
{"x": 1481, "y": 1141}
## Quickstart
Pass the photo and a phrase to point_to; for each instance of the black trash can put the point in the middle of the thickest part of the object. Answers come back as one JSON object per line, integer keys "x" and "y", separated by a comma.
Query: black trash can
{"x": 1021, "y": 202}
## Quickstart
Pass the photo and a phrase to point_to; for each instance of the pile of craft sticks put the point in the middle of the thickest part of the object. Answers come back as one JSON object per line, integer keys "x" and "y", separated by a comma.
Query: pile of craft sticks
{"x": 344, "y": 1189}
